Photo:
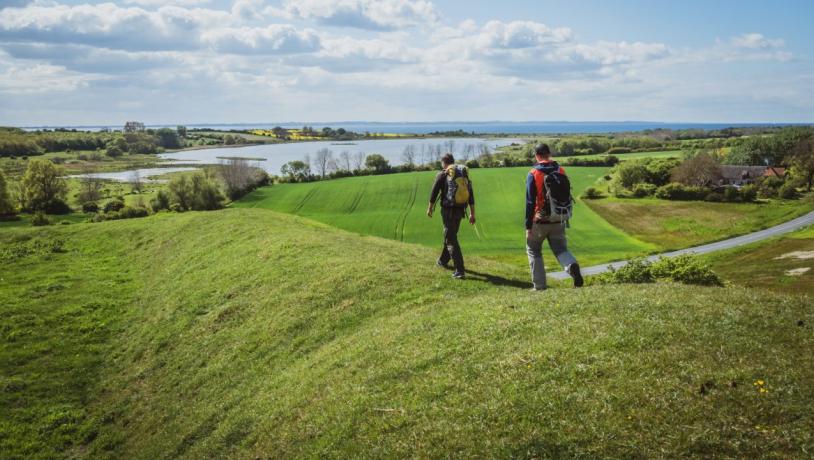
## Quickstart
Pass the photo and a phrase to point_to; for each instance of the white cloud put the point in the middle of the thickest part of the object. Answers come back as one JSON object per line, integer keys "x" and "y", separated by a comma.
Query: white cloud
{"x": 273, "y": 39}
{"x": 519, "y": 34}
{"x": 363, "y": 14}
{"x": 23, "y": 77}
{"x": 756, "y": 41}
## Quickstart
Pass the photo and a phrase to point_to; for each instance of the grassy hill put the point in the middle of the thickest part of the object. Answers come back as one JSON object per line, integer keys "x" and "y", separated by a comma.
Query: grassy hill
{"x": 252, "y": 334}
{"x": 393, "y": 206}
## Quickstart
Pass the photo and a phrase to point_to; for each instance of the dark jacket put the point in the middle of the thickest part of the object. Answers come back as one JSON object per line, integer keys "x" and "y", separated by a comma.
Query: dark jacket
{"x": 546, "y": 167}
{"x": 439, "y": 187}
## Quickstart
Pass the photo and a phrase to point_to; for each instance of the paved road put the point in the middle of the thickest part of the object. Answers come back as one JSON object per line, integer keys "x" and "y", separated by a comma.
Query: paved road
{"x": 785, "y": 227}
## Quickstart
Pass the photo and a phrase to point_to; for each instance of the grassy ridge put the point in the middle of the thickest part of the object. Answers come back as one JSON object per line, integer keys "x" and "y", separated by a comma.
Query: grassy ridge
{"x": 249, "y": 333}
{"x": 394, "y": 206}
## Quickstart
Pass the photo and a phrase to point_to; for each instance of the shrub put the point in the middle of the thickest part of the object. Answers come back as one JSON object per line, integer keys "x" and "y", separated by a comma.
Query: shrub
{"x": 617, "y": 150}
{"x": 113, "y": 205}
{"x": 472, "y": 164}
{"x": 748, "y": 193}
{"x": 714, "y": 197}
{"x": 643, "y": 190}
{"x": 130, "y": 212}
{"x": 731, "y": 194}
{"x": 196, "y": 192}
{"x": 39, "y": 219}
{"x": 57, "y": 206}
{"x": 89, "y": 207}
{"x": 686, "y": 269}
{"x": 160, "y": 202}
{"x": 635, "y": 271}
{"x": 788, "y": 191}
{"x": 7, "y": 207}
{"x": 675, "y": 191}
{"x": 591, "y": 193}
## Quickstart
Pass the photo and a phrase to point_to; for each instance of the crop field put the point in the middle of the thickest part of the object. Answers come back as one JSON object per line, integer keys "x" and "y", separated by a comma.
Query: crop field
{"x": 393, "y": 206}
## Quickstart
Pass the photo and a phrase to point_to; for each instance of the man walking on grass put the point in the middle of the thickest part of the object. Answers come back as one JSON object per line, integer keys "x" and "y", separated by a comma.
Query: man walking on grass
{"x": 455, "y": 190}
{"x": 548, "y": 207}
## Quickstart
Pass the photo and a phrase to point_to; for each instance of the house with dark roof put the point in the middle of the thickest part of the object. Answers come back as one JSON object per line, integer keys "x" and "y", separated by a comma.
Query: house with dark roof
{"x": 743, "y": 175}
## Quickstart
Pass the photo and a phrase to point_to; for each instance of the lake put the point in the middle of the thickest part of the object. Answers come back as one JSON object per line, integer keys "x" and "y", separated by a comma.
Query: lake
{"x": 274, "y": 156}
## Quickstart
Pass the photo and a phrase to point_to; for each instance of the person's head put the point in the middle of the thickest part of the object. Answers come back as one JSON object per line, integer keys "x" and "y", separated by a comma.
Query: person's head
{"x": 542, "y": 152}
{"x": 447, "y": 160}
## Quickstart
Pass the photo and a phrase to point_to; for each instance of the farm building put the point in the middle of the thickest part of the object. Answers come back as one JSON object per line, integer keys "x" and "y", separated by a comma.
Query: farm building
{"x": 742, "y": 175}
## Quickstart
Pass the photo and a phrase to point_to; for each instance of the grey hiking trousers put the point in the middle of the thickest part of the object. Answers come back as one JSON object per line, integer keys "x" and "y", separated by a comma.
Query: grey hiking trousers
{"x": 555, "y": 234}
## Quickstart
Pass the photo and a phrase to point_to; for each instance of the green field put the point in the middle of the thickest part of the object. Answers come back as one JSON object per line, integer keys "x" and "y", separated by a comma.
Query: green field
{"x": 681, "y": 224}
{"x": 252, "y": 334}
{"x": 784, "y": 264}
{"x": 393, "y": 206}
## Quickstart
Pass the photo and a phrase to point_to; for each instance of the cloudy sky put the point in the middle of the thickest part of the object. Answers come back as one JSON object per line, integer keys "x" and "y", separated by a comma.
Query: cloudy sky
{"x": 73, "y": 62}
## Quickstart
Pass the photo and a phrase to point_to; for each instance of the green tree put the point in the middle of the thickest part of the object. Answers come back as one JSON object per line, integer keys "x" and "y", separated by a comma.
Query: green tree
{"x": 297, "y": 171}
{"x": 7, "y": 208}
{"x": 44, "y": 189}
{"x": 801, "y": 160}
{"x": 181, "y": 130}
{"x": 168, "y": 138}
{"x": 377, "y": 163}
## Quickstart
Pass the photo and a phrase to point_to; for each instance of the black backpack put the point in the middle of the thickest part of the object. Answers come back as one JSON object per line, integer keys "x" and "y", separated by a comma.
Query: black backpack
{"x": 559, "y": 203}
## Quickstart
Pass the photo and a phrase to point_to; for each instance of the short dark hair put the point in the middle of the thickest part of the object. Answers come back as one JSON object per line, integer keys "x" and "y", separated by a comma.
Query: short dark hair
{"x": 542, "y": 150}
{"x": 448, "y": 159}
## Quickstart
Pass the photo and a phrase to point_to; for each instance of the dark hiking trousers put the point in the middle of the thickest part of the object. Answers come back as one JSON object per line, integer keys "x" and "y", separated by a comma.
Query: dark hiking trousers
{"x": 452, "y": 250}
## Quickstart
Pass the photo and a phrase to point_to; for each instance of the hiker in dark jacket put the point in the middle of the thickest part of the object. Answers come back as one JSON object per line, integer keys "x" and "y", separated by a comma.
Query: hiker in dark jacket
{"x": 538, "y": 226}
{"x": 453, "y": 208}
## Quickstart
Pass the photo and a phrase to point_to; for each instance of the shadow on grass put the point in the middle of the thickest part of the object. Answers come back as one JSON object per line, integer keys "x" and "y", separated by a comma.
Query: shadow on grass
{"x": 498, "y": 280}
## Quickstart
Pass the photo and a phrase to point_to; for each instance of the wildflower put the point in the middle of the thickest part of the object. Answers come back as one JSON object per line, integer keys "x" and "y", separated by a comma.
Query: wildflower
{"x": 759, "y": 382}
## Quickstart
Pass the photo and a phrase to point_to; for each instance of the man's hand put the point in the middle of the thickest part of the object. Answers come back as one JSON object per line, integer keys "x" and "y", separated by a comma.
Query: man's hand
{"x": 472, "y": 219}
{"x": 430, "y": 210}
{"x": 528, "y": 233}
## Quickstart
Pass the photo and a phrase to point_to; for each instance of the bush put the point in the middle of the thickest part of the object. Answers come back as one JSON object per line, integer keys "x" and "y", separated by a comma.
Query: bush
{"x": 686, "y": 269}
{"x": 113, "y": 205}
{"x": 635, "y": 271}
{"x": 472, "y": 164}
{"x": 40, "y": 219}
{"x": 90, "y": 207}
{"x": 57, "y": 206}
{"x": 714, "y": 197}
{"x": 7, "y": 207}
{"x": 591, "y": 193}
{"x": 748, "y": 193}
{"x": 617, "y": 150}
{"x": 643, "y": 190}
{"x": 196, "y": 192}
{"x": 675, "y": 191}
{"x": 160, "y": 202}
{"x": 731, "y": 194}
{"x": 130, "y": 212}
{"x": 788, "y": 191}
{"x": 43, "y": 188}
{"x": 601, "y": 161}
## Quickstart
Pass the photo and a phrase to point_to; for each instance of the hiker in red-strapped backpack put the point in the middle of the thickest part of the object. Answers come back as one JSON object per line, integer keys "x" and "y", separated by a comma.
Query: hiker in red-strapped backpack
{"x": 452, "y": 184}
{"x": 548, "y": 208}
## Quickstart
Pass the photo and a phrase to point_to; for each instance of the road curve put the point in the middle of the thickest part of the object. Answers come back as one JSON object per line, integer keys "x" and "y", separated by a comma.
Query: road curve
{"x": 770, "y": 232}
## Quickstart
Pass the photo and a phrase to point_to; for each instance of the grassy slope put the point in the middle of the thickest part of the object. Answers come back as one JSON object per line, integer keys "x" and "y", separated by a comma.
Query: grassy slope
{"x": 759, "y": 266}
{"x": 680, "y": 224}
{"x": 249, "y": 333}
{"x": 393, "y": 206}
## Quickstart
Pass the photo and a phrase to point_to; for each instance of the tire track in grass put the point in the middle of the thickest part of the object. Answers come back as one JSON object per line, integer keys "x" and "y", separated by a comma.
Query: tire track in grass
{"x": 357, "y": 198}
{"x": 402, "y": 220}
{"x": 304, "y": 200}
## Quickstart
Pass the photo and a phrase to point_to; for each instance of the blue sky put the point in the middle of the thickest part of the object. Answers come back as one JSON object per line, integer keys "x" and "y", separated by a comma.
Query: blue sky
{"x": 222, "y": 61}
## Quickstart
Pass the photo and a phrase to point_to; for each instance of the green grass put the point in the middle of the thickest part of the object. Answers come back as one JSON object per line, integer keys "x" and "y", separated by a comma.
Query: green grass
{"x": 766, "y": 265}
{"x": 393, "y": 206}
{"x": 632, "y": 156}
{"x": 247, "y": 333}
{"x": 681, "y": 224}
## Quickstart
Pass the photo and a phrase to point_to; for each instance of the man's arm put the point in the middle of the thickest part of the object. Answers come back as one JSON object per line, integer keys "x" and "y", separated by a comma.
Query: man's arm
{"x": 531, "y": 199}
{"x": 436, "y": 190}
{"x": 471, "y": 204}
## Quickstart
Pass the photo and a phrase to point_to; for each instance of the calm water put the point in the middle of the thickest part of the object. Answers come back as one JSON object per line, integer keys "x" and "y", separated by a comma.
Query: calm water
{"x": 492, "y": 127}
{"x": 276, "y": 155}
{"x": 145, "y": 174}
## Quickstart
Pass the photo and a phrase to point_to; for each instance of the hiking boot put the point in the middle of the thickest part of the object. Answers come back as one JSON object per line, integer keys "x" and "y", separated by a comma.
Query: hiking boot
{"x": 537, "y": 289}
{"x": 458, "y": 275}
{"x": 442, "y": 265}
{"x": 573, "y": 270}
